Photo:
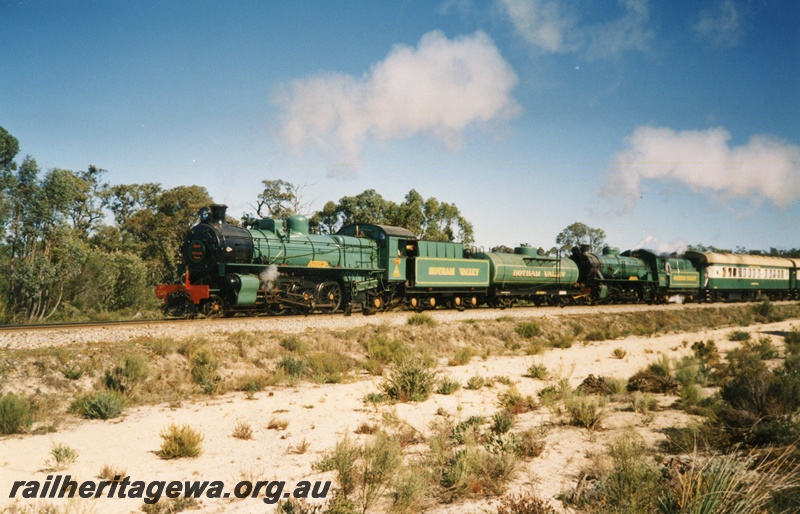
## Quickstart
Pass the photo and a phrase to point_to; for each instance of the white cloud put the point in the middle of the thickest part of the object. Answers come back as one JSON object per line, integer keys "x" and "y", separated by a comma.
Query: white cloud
{"x": 542, "y": 23}
{"x": 437, "y": 89}
{"x": 629, "y": 32}
{"x": 766, "y": 168}
{"x": 722, "y": 26}
{"x": 547, "y": 26}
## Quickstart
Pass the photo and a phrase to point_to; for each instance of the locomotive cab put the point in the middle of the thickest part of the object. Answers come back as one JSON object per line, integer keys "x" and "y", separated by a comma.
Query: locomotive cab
{"x": 396, "y": 246}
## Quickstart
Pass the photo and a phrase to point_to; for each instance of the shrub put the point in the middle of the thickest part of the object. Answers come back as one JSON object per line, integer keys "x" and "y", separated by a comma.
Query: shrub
{"x": 72, "y": 372}
{"x": 112, "y": 473}
{"x": 524, "y": 503}
{"x": 765, "y": 312}
{"x": 61, "y": 457}
{"x": 252, "y": 383}
{"x": 502, "y": 422}
{"x": 585, "y": 411}
{"x": 760, "y": 405}
{"x": 690, "y": 395}
{"x": 764, "y": 348}
{"x": 15, "y": 414}
{"x": 291, "y": 343}
{"x": 528, "y": 329}
{"x": 657, "y": 378}
{"x": 277, "y": 424}
{"x": 380, "y": 461}
{"x": 364, "y": 473}
{"x": 376, "y": 398}
{"x": 792, "y": 340}
{"x": 732, "y": 483}
{"x": 329, "y": 367}
{"x": 462, "y": 356}
{"x": 739, "y": 335}
{"x": 411, "y": 381}
{"x": 99, "y": 405}
{"x": 421, "y": 319}
{"x": 643, "y": 403}
{"x": 467, "y": 430}
{"x": 300, "y": 448}
{"x": 537, "y": 371}
{"x": 554, "y": 393}
{"x": 475, "y": 382}
{"x": 126, "y": 377}
{"x": 472, "y": 470}
{"x": 630, "y": 484}
{"x": 513, "y": 401}
{"x": 448, "y": 386}
{"x": 342, "y": 460}
{"x": 530, "y": 443}
{"x": 690, "y": 371}
{"x": 242, "y": 430}
{"x": 383, "y": 349}
{"x": 204, "y": 370}
{"x": 410, "y": 489}
{"x": 293, "y": 366}
{"x": 619, "y": 353}
{"x": 179, "y": 442}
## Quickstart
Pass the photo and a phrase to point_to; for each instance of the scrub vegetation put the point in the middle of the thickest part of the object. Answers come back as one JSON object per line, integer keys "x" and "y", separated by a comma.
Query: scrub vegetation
{"x": 740, "y": 447}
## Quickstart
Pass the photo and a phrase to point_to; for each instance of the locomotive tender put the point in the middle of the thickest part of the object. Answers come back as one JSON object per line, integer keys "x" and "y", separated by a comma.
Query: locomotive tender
{"x": 277, "y": 266}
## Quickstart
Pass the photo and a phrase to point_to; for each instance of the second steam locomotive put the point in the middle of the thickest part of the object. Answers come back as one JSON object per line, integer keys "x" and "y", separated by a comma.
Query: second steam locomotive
{"x": 278, "y": 266}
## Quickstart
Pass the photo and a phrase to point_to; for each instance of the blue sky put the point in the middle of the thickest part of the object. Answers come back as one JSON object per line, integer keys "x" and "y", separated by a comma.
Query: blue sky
{"x": 663, "y": 123}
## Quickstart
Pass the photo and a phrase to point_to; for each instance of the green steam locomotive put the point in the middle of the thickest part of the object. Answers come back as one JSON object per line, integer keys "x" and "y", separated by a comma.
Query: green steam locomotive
{"x": 277, "y": 266}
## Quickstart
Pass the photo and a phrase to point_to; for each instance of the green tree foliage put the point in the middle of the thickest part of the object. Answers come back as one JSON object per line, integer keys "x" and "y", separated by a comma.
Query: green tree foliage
{"x": 152, "y": 221}
{"x": 51, "y": 224}
{"x": 9, "y": 147}
{"x": 428, "y": 219}
{"x": 40, "y": 239}
{"x": 280, "y": 199}
{"x": 578, "y": 234}
{"x": 791, "y": 253}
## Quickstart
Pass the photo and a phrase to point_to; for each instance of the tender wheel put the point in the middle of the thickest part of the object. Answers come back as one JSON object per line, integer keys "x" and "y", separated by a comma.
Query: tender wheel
{"x": 329, "y": 296}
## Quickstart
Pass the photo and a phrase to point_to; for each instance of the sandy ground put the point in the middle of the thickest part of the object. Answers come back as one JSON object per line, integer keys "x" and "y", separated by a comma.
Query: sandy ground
{"x": 320, "y": 415}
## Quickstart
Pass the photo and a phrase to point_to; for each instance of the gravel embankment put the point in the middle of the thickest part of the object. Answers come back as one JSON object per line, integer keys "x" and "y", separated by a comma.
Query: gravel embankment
{"x": 28, "y": 339}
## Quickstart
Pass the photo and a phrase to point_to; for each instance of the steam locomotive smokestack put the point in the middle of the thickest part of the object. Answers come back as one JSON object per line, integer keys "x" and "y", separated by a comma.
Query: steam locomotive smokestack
{"x": 218, "y": 212}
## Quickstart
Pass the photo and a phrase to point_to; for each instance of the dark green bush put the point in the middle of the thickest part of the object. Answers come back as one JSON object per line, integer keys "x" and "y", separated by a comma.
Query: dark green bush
{"x": 411, "y": 381}
{"x": 99, "y": 405}
{"x": 204, "y": 370}
{"x": 528, "y": 329}
{"x": 129, "y": 375}
{"x": 293, "y": 366}
{"x": 15, "y": 414}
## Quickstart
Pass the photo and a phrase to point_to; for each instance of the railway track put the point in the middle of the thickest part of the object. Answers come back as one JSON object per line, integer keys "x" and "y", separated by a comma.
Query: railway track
{"x": 71, "y": 325}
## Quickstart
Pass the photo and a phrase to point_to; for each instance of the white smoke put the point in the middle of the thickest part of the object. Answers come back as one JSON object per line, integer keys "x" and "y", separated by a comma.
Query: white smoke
{"x": 678, "y": 299}
{"x": 764, "y": 168}
{"x": 437, "y": 89}
{"x": 658, "y": 247}
{"x": 269, "y": 277}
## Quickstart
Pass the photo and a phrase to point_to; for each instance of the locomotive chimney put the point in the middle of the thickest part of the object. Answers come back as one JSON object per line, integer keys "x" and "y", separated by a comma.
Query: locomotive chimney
{"x": 218, "y": 212}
